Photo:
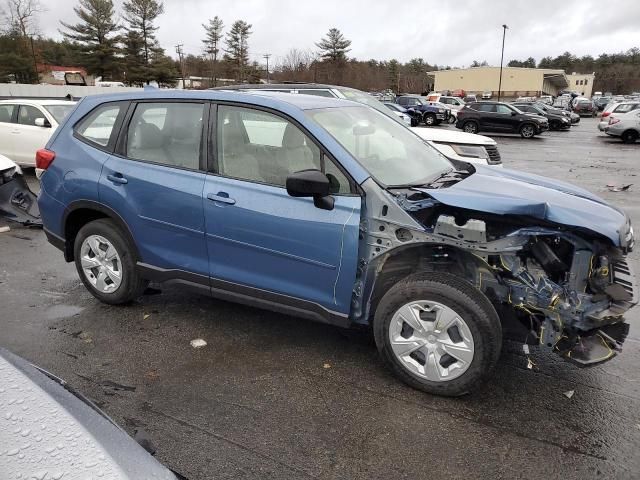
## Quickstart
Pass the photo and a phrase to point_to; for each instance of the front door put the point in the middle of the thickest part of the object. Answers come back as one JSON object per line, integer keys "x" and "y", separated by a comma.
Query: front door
{"x": 155, "y": 182}
{"x": 260, "y": 237}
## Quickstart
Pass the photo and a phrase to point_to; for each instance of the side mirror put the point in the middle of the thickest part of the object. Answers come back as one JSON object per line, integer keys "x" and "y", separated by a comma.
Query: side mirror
{"x": 42, "y": 122}
{"x": 311, "y": 183}
{"x": 513, "y": 114}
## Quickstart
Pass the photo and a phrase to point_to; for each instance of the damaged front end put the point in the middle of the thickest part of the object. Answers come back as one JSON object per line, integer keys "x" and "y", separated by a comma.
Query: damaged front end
{"x": 568, "y": 284}
{"x": 17, "y": 202}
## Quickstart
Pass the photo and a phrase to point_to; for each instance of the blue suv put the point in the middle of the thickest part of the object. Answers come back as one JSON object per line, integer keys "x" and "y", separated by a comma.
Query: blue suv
{"x": 329, "y": 210}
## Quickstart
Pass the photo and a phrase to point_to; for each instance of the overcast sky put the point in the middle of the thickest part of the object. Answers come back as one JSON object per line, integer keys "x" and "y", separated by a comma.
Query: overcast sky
{"x": 442, "y": 32}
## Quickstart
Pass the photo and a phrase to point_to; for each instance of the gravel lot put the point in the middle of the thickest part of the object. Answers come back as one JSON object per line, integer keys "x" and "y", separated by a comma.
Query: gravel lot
{"x": 278, "y": 397}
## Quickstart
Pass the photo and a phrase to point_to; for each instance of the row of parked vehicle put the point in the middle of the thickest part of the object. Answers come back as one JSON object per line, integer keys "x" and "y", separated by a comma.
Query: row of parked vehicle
{"x": 621, "y": 119}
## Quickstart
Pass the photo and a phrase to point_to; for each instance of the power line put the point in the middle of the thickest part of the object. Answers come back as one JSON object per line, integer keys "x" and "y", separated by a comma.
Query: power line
{"x": 266, "y": 57}
{"x": 180, "y": 58}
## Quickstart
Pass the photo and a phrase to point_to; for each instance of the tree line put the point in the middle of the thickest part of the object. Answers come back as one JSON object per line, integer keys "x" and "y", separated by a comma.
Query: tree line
{"x": 122, "y": 46}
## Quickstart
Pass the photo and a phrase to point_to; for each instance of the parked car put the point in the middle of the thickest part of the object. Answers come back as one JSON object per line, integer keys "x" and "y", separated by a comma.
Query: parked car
{"x": 486, "y": 95}
{"x": 50, "y": 430}
{"x": 329, "y": 210}
{"x": 431, "y": 114}
{"x": 454, "y": 138}
{"x": 454, "y": 103}
{"x": 602, "y": 102}
{"x": 470, "y": 98}
{"x": 500, "y": 117}
{"x": 452, "y": 112}
{"x": 557, "y": 119}
{"x": 17, "y": 202}
{"x": 585, "y": 107}
{"x": 616, "y": 108}
{"x": 626, "y": 126}
{"x": 26, "y": 125}
{"x": 464, "y": 147}
{"x": 410, "y": 116}
{"x": 546, "y": 99}
{"x": 574, "y": 118}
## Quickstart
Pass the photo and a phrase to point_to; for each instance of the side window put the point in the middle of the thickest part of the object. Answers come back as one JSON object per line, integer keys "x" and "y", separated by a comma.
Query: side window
{"x": 504, "y": 109}
{"x": 6, "y": 113}
{"x": 262, "y": 147}
{"x": 97, "y": 127}
{"x": 484, "y": 107}
{"x": 27, "y": 115}
{"x": 167, "y": 133}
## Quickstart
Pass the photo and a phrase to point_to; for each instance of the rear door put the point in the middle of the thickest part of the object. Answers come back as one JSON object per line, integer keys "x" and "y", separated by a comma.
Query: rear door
{"x": 29, "y": 137}
{"x": 487, "y": 117}
{"x": 154, "y": 180}
{"x": 8, "y": 131}
{"x": 263, "y": 242}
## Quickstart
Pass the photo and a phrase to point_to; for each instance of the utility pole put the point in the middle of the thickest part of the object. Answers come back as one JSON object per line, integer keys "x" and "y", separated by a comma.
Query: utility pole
{"x": 35, "y": 63}
{"x": 180, "y": 56}
{"x": 504, "y": 33}
{"x": 266, "y": 57}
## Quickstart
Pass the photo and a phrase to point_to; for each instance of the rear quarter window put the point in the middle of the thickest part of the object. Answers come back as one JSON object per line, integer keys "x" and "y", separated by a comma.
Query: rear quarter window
{"x": 98, "y": 127}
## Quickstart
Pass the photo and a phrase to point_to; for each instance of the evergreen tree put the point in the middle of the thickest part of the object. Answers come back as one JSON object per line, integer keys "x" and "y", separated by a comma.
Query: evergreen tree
{"x": 237, "y": 47}
{"x": 213, "y": 35}
{"x": 334, "y": 47}
{"x": 140, "y": 15}
{"x": 97, "y": 35}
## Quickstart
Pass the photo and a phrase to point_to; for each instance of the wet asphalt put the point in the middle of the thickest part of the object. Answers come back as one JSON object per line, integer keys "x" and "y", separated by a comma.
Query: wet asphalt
{"x": 272, "y": 396}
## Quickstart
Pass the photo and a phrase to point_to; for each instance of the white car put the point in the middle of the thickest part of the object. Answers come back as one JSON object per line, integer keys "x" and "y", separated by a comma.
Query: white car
{"x": 27, "y": 125}
{"x": 626, "y": 126}
{"x": 619, "y": 108}
{"x": 465, "y": 147}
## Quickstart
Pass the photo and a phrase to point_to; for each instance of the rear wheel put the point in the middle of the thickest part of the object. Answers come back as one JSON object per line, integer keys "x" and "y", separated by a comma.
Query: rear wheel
{"x": 470, "y": 127}
{"x": 527, "y": 131}
{"x": 438, "y": 333}
{"x": 106, "y": 263}
{"x": 452, "y": 119}
{"x": 629, "y": 136}
{"x": 429, "y": 119}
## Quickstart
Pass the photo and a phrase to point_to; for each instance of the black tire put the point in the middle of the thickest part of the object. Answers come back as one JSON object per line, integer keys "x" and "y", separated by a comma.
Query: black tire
{"x": 527, "y": 131}
{"x": 470, "y": 127}
{"x": 132, "y": 285}
{"x": 452, "y": 120}
{"x": 477, "y": 311}
{"x": 429, "y": 119}
{"x": 629, "y": 136}
{"x": 415, "y": 122}
{"x": 554, "y": 125}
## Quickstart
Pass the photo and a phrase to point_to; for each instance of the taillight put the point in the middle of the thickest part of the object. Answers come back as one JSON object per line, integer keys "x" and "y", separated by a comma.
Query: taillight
{"x": 44, "y": 158}
{"x": 606, "y": 114}
{"x": 613, "y": 120}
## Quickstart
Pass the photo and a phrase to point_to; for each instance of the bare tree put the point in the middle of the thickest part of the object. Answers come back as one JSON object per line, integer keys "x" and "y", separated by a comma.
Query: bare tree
{"x": 22, "y": 16}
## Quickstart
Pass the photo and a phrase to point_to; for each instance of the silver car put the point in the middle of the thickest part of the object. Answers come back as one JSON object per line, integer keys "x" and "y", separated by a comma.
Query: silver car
{"x": 626, "y": 126}
{"x": 619, "y": 108}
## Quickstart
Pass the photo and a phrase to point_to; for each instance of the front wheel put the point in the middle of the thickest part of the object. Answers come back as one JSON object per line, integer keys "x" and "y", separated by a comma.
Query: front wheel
{"x": 438, "y": 334}
{"x": 452, "y": 119}
{"x": 429, "y": 119}
{"x": 527, "y": 131}
{"x": 106, "y": 263}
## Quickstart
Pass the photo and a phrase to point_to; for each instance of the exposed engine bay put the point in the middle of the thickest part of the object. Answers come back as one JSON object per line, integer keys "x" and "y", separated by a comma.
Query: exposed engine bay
{"x": 569, "y": 287}
{"x": 17, "y": 202}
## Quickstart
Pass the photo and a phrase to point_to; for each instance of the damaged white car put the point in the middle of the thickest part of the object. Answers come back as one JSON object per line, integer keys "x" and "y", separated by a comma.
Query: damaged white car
{"x": 17, "y": 202}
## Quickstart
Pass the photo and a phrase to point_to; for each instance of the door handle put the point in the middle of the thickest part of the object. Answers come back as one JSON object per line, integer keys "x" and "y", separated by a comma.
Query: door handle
{"x": 15, "y": 132}
{"x": 117, "y": 178}
{"x": 221, "y": 197}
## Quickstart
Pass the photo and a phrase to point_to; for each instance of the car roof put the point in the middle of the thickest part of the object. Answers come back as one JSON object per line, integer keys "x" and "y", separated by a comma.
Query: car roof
{"x": 266, "y": 99}
{"x": 38, "y": 101}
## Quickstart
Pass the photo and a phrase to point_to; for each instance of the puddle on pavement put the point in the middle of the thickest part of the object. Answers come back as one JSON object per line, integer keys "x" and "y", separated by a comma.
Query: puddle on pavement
{"x": 62, "y": 311}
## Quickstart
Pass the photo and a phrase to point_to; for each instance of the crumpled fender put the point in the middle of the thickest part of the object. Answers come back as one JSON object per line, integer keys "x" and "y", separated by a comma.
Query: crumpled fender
{"x": 18, "y": 203}
{"x": 507, "y": 192}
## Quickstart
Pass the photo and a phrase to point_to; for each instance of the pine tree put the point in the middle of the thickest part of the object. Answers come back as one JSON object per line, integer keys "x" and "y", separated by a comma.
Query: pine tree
{"x": 213, "y": 35}
{"x": 334, "y": 47}
{"x": 97, "y": 34}
{"x": 237, "y": 48}
{"x": 140, "y": 15}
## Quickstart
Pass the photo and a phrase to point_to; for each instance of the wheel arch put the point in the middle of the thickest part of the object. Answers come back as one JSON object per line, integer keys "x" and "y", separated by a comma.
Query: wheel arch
{"x": 405, "y": 261}
{"x": 81, "y": 212}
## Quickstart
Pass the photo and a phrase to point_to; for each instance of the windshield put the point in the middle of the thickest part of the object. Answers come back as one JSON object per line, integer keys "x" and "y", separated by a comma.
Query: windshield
{"x": 59, "y": 112}
{"x": 393, "y": 154}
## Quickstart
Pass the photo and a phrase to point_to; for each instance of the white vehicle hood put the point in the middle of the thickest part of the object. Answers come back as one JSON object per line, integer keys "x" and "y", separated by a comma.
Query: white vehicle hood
{"x": 448, "y": 136}
{"x": 6, "y": 163}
